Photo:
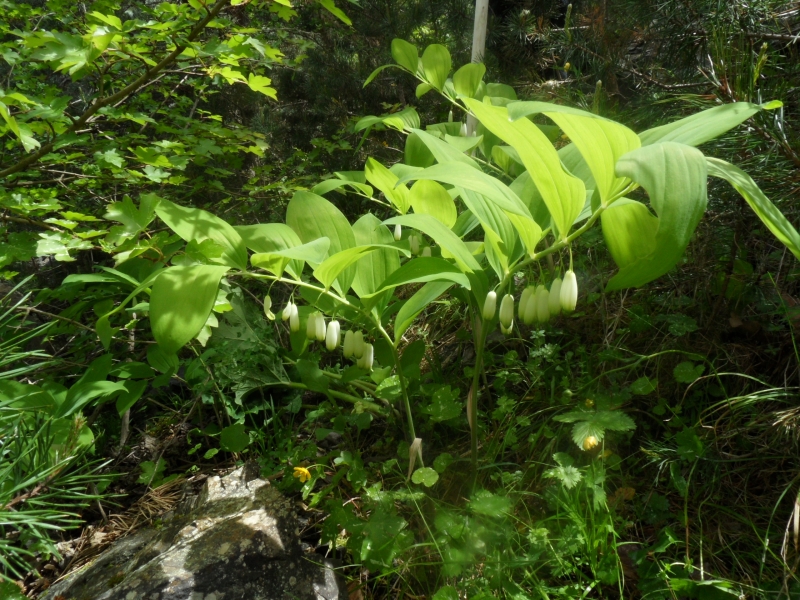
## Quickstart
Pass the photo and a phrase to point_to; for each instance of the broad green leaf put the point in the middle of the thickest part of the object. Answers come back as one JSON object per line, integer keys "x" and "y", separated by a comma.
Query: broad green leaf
{"x": 313, "y": 253}
{"x": 329, "y": 185}
{"x": 386, "y": 181}
{"x": 198, "y": 225}
{"x": 133, "y": 219}
{"x": 417, "y": 153}
{"x": 422, "y": 89}
{"x": 375, "y": 267}
{"x": 499, "y": 232}
{"x": 769, "y": 214}
{"x": 501, "y": 90}
{"x": 629, "y": 229}
{"x": 329, "y": 270}
{"x": 405, "y": 55}
{"x": 181, "y": 301}
{"x": 331, "y": 7}
{"x": 675, "y": 177}
{"x": 313, "y": 217}
{"x": 375, "y": 73}
{"x": 460, "y": 175}
{"x": 81, "y": 394}
{"x": 268, "y": 238}
{"x": 133, "y": 391}
{"x": 442, "y": 236}
{"x": 425, "y": 476}
{"x": 416, "y": 304}
{"x": 234, "y": 438}
{"x": 423, "y": 270}
{"x": 706, "y": 125}
{"x": 427, "y": 197}
{"x": 564, "y": 194}
{"x": 601, "y": 143}
{"x": 436, "y": 65}
{"x": 404, "y": 120}
{"x": 442, "y": 151}
{"x": 261, "y": 84}
{"x": 467, "y": 79}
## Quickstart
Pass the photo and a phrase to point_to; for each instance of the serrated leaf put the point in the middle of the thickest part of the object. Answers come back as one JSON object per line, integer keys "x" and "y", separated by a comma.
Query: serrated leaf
{"x": 688, "y": 372}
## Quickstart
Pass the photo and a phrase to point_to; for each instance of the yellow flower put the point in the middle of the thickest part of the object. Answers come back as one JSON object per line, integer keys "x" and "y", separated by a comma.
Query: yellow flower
{"x": 302, "y": 474}
{"x": 590, "y": 442}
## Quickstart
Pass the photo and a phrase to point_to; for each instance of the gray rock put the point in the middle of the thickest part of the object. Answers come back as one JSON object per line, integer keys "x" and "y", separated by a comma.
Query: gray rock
{"x": 237, "y": 542}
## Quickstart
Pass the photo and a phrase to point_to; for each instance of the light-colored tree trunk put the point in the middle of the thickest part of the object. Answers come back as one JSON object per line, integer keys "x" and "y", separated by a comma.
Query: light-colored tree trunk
{"x": 478, "y": 46}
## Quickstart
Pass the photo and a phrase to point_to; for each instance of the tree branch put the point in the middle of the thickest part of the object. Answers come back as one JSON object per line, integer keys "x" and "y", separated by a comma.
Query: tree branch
{"x": 123, "y": 93}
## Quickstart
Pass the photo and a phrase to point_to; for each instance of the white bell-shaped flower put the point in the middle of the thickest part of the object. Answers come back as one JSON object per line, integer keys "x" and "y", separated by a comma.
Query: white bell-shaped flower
{"x": 507, "y": 311}
{"x": 569, "y": 292}
{"x": 358, "y": 344}
{"x": 554, "y": 303}
{"x": 349, "y": 343}
{"x": 490, "y": 306}
{"x": 332, "y": 336}
{"x": 542, "y": 304}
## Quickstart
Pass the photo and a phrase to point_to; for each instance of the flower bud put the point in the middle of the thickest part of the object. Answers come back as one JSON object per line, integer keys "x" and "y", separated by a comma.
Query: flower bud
{"x": 554, "y": 303}
{"x": 506, "y": 330}
{"x": 413, "y": 241}
{"x": 294, "y": 319}
{"x": 398, "y": 232}
{"x": 527, "y": 294}
{"x": 463, "y": 132}
{"x": 358, "y": 344}
{"x": 531, "y": 315}
{"x": 311, "y": 326}
{"x": 287, "y": 312}
{"x": 332, "y": 336}
{"x": 507, "y": 311}
{"x": 268, "y": 308}
{"x": 319, "y": 328}
{"x": 426, "y": 251}
{"x": 542, "y": 304}
{"x": 489, "y": 306}
{"x": 569, "y": 292}
{"x": 349, "y": 343}
{"x": 450, "y": 116}
{"x": 369, "y": 353}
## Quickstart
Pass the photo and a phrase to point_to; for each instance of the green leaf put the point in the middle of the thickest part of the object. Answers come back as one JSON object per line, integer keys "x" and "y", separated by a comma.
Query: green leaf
{"x": 198, "y": 225}
{"x": 268, "y": 238}
{"x": 405, "y": 55}
{"x": 442, "y": 236}
{"x": 460, "y": 175}
{"x": 436, "y": 65}
{"x": 313, "y": 217}
{"x": 374, "y": 268}
{"x": 442, "y": 461}
{"x": 234, "y": 438}
{"x": 422, "y": 270}
{"x": 643, "y": 386}
{"x": 448, "y": 592}
{"x": 81, "y": 394}
{"x": 425, "y": 476}
{"x": 336, "y": 12}
{"x": 563, "y": 194}
{"x": 313, "y": 252}
{"x": 675, "y": 177}
{"x": 386, "y": 181}
{"x": 133, "y": 219}
{"x": 490, "y": 505}
{"x": 375, "y": 73}
{"x": 11, "y": 591}
{"x": 442, "y": 151}
{"x": 444, "y": 405}
{"x": 416, "y": 304}
{"x": 428, "y": 197}
{"x": 329, "y": 185}
{"x": 161, "y": 361}
{"x": 706, "y": 125}
{"x": 467, "y": 79}
{"x": 261, "y": 84}
{"x": 601, "y": 143}
{"x": 133, "y": 391}
{"x": 687, "y": 372}
{"x": 622, "y": 218}
{"x": 769, "y": 214}
{"x": 330, "y": 269}
{"x": 416, "y": 153}
{"x": 180, "y": 303}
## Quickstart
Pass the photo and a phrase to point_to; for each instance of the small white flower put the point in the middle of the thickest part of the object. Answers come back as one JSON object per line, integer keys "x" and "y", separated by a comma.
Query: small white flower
{"x": 294, "y": 319}
{"x": 332, "y": 336}
{"x": 555, "y": 297}
{"x": 542, "y": 304}
{"x": 398, "y": 232}
{"x": 349, "y": 343}
{"x": 507, "y": 311}
{"x": 320, "y": 329}
{"x": 358, "y": 344}
{"x": 569, "y": 292}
